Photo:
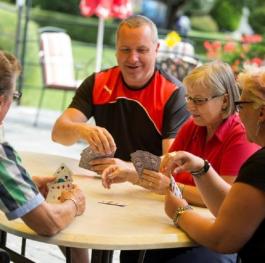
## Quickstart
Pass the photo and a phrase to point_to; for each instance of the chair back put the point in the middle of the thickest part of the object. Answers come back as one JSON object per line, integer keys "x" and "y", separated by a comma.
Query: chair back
{"x": 57, "y": 60}
{"x": 178, "y": 60}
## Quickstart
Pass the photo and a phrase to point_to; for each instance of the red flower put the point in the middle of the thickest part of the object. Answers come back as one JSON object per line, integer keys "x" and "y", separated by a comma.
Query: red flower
{"x": 230, "y": 47}
{"x": 251, "y": 38}
{"x": 256, "y": 61}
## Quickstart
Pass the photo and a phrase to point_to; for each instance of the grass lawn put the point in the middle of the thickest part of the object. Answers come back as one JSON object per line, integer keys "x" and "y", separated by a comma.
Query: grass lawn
{"x": 84, "y": 56}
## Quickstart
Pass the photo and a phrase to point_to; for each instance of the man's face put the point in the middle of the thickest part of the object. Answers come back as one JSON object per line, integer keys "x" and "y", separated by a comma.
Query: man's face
{"x": 136, "y": 55}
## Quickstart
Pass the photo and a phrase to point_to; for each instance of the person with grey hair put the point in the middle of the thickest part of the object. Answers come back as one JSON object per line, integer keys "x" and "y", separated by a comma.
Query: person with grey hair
{"x": 239, "y": 225}
{"x": 135, "y": 105}
{"x": 22, "y": 196}
{"x": 215, "y": 133}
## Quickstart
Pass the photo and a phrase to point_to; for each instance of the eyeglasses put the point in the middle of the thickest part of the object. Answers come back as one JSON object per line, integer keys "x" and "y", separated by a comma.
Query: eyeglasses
{"x": 239, "y": 103}
{"x": 201, "y": 101}
{"x": 17, "y": 95}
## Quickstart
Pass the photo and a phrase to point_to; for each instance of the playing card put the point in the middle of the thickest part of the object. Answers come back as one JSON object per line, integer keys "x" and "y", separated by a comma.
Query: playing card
{"x": 55, "y": 191}
{"x": 174, "y": 187}
{"x": 136, "y": 159}
{"x": 145, "y": 160}
{"x": 112, "y": 203}
{"x": 151, "y": 161}
{"x": 88, "y": 155}
{"x": 63, "y": 181}
{"x": 63, "y": 174}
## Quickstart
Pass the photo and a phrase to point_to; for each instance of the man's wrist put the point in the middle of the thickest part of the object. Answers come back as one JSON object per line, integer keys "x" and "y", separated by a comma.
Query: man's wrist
{"x": 76, "y": 206}
{"x": 132, "y": 177}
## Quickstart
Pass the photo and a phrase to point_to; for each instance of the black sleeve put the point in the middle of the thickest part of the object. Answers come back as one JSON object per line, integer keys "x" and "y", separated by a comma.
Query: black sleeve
{"x": 253, "y": 170}
{"x": 83, "y": 99}
{"x": 175, "y": 113}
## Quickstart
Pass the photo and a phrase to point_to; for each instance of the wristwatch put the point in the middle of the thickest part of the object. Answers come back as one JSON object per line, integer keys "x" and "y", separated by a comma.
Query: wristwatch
{"x": 179, "y": 212}
{"x": 203, "y": 170}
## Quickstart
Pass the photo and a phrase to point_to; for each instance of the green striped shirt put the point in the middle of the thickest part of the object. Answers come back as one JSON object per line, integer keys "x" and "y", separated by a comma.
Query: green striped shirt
{"x": 18, "y": 193}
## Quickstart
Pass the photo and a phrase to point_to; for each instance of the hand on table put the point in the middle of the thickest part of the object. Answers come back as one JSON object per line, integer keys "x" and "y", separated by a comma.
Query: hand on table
{"x": 41, "y": 182}
{"x": 98, "y": 138}
{"x": 77, "y": 196}
{"x": 118, "y": 174}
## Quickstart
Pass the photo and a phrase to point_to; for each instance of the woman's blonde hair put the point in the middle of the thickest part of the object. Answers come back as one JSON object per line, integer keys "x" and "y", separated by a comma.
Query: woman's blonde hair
{"x": 219, "y": 78}
{"x": 252, "y": 81}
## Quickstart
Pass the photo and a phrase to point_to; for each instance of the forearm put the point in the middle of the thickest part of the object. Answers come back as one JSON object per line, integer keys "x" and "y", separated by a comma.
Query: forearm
{"x": 213, "y": 189}
{"x": 49, "y": 219}
{"x": 166, "y": 144}
{"x": 191, "y": 194}
{"x": 132, "y": 176}
{"x": 205, "y": 232}
{"x": 67, "y": 132}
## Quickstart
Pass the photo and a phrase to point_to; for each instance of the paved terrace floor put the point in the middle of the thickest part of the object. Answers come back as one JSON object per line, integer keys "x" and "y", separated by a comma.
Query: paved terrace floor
{"x": 20, "y": 132}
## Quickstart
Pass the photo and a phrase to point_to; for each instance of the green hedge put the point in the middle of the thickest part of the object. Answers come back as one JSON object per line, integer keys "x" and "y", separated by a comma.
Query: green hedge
{"x": 257, "y": 20}
{"x": 227, "y": 14}
{"x": 79, "y": 28}
{"x": 68, "y": 7}
{"x": 204, "y": 23}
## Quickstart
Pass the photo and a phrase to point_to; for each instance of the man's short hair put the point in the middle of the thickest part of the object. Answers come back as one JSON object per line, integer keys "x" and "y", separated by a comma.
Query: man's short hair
{"x": 138, "y": 21}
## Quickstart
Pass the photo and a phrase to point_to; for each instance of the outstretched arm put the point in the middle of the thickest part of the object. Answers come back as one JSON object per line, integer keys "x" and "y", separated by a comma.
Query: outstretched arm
{"x": 71, "y": 127}
{"x": 211, "y": 186}
{"x": 48, "y": 219}
{"x": 238, "y": 218}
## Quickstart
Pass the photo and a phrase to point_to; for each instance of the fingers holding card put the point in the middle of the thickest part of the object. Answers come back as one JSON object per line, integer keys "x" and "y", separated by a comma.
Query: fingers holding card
{"x": 145, "y": 160}
{"x": 88, "y": 154}
{"x": 62, "y": 182}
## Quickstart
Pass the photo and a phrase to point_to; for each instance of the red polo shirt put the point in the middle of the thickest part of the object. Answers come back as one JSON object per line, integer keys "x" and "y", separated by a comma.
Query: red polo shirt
{"x": 227, "y": 150}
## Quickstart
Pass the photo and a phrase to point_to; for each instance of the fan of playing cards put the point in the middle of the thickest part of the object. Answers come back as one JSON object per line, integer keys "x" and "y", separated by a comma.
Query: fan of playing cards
{"x": 62, "y": 182}
{"x": 145, "y": 160}
{"x": 88, "y": 155}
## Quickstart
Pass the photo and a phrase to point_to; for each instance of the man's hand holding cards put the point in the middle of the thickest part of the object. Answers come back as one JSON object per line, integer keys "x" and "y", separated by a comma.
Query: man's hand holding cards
{"x": 95, "y": 161}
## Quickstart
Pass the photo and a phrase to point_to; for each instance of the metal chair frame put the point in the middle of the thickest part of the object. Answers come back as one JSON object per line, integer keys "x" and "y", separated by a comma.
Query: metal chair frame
{"x": 56, "y": 60}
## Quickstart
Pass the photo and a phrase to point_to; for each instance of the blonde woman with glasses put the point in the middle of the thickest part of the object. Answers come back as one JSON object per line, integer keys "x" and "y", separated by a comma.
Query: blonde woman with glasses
{"x": 239, "y": 209}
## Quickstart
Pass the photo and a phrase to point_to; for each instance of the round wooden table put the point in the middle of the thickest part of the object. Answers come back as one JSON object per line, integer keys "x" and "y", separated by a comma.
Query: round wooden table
{"x": 136, "y": 220}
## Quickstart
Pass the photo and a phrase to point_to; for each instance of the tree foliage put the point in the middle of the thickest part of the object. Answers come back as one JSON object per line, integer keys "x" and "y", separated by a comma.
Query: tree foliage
{"x": 69, "y": 6}
{"x": 227, "y": 14}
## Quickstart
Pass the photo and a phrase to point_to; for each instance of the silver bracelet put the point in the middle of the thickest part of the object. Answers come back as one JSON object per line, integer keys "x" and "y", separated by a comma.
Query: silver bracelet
{"x": 76, "y": 207}
{"x": 179, "y": 212}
